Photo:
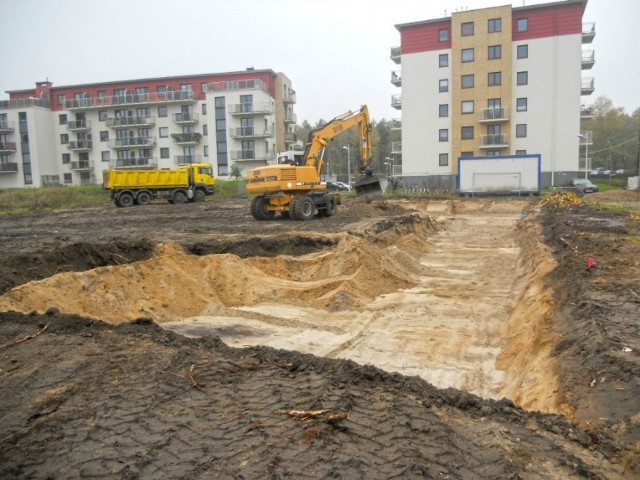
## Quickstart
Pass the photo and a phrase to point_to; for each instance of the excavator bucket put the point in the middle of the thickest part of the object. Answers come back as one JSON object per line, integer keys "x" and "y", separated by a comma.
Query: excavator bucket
{"x": 371, "y": 185}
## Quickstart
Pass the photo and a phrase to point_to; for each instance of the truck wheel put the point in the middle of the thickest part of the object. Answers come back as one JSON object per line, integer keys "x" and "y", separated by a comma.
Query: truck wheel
{"x": 199, "y": 196}
{"x": 143, "y": 198}
{"x": 258, "y": 209}
{"x": 179, "y": 197}
{"x": 125, "y": 200}
{"x": 304, "y": 208}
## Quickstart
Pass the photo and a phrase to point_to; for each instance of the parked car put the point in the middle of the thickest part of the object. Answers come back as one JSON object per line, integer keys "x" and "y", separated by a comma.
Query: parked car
{"x": 596, "y": 171}
{"x": 606, "y": 172}
{"x": 619, "y": 172}
{"x": 338, "y": 186}
{"x": 584, "y": 185}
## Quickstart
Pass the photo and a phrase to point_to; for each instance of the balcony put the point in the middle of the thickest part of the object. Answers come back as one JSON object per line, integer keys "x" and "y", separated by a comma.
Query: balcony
{"x": 290, "y": 118}
{"x": 396, "y": 147}
{"x": 79, "y": 126}
{"x": 80, "y": 146}
{"x": 7, "y": 127}
{"x": 395, "y": 55}
{"x": 396, "y": 124}
{"x": 290, "y": 137}
{"x": 186, "y": 159}
{"x": 82, "y": 165}
{"x": 586, "y": 112}
{"x": 50, "y": 180}
{"x": 250, "y": 132}
{"x": 130, "y": 121}
{"x": 494, "y": 141}
{"x": 24, "y": 103}
{"x": 588, "y": 59}
{"x": 7, "y": 147}
{"x": 494, "y": 115}
{"x": 131, "y": 142}
{"x": 131, "y": 99}
{"x": 186, "y": 139}
{"x": 588, "y": 32}
{"x": 232, "y": 85}
{"x": 250, "y": 109}
{"x": 250, "y": 156}
{"x": 135, "y": 163}
{"x": 289, "y": 97}
{"x": 186, "y": 118}
{"x": 396, "y": 101}
{"x": 588, "y": 86}
{"x": 396, "y": 78}
{"x": 87, "y": 178}
{"x": 8, "y": 167}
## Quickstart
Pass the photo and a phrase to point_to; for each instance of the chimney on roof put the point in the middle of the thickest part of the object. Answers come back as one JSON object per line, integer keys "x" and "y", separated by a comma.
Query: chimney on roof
{"x": 43, "y": 89}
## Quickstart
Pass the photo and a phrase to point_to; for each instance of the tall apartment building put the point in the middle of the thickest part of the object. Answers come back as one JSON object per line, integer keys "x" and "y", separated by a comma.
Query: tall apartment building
{"x": 493, "y": 81}
{"x": 69, "y": 135}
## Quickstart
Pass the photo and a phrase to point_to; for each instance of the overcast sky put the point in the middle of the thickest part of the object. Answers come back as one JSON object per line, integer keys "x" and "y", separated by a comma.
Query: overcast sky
{"x": 336, "y": 52}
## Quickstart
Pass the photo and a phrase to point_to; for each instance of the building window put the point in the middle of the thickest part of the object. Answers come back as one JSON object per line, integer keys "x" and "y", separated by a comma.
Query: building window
{"x": 205, "y": 130}
{"x": 443, "y": 135}
{"x": 467, "y": 81}
{"x": 495, "y": 78}
{"x": 523, "y": 78}
{"x": 467, "y": 54}
{"x": 467, "y": 106}
{"x": 467, "y": 29}
{"x": 164, "y": 132}
{"x": 164, "y": 153}
{"x": 495, "y": 51}
{"x": 467, "y": 133}
{"x": 466, "y": 154}
{"x": 62, "y": 100}
{"x": 521, "y": 152}
{"x": 102, "y": 94}
{"x": 162, "y": 112}
{"x": 443, "y": 85}
{"x": 204, "y": 108}
{"x": 521, "y": 130}
{"x": 67, "y": 178}
{"x": 495, "y": 25}
{"x": 521, "y": 104}
{"x": 523, "y": 24}
{"x": 443, "y": 160}
{"x": 62, "y": 119}
{"x": 64, "y": 138}
{"x": 523, "y": 51}
{"x": 102, "y": 115}
{"x": 443, "y": 60}
{"x": 443, "y": 35}
{"x": 206, "y": 150}
{"x": 66, "y": 158}
{"x": 494, "y": 103}
{"x": 443, "y": 110}
{"x": 493, "y": 153}
{"x": 106, "y": 156}
{"x": 104, "y": 136}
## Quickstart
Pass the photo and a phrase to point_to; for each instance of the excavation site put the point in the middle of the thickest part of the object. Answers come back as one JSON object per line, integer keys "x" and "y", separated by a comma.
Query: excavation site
{"x": 401, "y": 338}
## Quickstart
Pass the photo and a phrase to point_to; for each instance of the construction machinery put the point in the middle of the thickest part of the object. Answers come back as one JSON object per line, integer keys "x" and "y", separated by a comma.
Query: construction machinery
{"x": 296, "y": 190}
{"x": 191, "y": 182}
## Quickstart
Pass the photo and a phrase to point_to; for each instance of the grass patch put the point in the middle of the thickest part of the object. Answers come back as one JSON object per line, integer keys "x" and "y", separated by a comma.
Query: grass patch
{"x": 29, "y": 200}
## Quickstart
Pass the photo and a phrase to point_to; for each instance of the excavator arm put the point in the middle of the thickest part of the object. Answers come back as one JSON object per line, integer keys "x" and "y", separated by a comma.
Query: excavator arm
{"x": 318, "y": 139}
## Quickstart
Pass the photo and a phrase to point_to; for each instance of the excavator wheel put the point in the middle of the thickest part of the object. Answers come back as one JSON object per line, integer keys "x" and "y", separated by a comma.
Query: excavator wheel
{"x": 332, "y": 206}
{"x": 304, "y": 208}
{"x": 258, "y": 210}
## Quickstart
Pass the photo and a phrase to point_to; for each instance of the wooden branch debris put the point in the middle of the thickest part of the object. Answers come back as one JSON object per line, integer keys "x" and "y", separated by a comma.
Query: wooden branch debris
{"x": 326, "y": 416}
{"x": 194, "y": 382}
{"x": 24, "y": 339}
{"x": 575, "y": 249}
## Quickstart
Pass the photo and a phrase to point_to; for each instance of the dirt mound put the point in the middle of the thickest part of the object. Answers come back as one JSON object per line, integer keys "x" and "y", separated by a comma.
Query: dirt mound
{"x": 135, "y": 401}
{"x": 75, "y": 257}
{"x": 615, "y": 196}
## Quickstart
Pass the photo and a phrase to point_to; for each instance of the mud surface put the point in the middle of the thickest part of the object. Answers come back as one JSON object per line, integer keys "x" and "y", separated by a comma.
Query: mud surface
{"x": 83, "y": 398}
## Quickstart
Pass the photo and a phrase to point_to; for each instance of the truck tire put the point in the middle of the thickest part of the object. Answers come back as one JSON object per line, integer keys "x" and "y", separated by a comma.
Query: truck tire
{"x": 304, "y": 208}
{"x": 179, "y": 197}
{"x": 258, "y": 210}
{"x": 143, "y": 198}
{"x": 199, "y": 196}
{"x": 125, "y": 200}
{"x": 331, "y": 207}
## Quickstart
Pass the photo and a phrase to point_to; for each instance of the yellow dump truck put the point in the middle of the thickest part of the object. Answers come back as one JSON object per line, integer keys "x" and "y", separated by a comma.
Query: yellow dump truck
{"x": 187, "y": 183}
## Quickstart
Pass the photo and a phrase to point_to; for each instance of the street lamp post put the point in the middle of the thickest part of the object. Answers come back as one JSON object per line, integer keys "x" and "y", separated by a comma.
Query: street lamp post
{"x": 586, "y": 153}
{"x": 348, "y": 149}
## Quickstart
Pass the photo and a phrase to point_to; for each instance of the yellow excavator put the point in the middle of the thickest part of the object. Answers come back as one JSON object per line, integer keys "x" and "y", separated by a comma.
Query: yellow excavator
{"x": 297, "y": 191}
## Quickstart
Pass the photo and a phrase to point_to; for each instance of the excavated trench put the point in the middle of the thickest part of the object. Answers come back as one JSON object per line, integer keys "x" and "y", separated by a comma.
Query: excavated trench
{"x": 453, "y": 295}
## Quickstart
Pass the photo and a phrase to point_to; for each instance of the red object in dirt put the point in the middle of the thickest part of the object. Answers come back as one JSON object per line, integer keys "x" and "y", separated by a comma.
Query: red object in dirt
{"x": 590, "y": 263}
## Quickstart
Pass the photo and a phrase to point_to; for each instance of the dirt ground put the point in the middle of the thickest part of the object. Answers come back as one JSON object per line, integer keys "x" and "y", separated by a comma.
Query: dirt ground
{"x": 400, "y": 338}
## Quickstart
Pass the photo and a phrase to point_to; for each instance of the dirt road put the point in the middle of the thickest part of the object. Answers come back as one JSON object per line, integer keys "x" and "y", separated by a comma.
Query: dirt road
{"x": 484, "y": 296}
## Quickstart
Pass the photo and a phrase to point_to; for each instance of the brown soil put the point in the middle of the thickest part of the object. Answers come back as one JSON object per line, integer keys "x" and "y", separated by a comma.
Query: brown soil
{"x": 362, "y": 314}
